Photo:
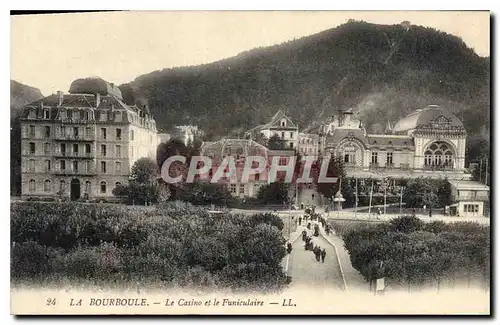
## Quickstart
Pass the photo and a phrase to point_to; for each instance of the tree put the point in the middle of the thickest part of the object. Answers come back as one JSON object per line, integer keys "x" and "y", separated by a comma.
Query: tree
{"x": 423, "y": 191}
{"x": 144, "y": 171}
{"x": 173, "y": 147}
{"x": 274, "y": 193}
{"x": 275, "y": 143}
{"x": 329, "y": 189}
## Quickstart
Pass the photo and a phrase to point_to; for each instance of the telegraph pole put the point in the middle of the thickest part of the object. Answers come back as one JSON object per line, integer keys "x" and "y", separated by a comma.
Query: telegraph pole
{"x": 486, "y": 172}
{"x": 385, "y": 197}
{"x": 401, "y": 201}
{"x": 370, "y": 204}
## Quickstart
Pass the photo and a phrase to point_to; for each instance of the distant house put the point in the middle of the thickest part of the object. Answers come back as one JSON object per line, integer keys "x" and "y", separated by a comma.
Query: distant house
{"x": 280, "y": 125}
{"x": 468, "y": 197}
{"x": 185, "y": 133}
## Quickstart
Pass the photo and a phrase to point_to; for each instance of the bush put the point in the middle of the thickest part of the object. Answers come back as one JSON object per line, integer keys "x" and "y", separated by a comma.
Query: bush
{"x": 415, "y": 253}
{"x": 172, "y": 244}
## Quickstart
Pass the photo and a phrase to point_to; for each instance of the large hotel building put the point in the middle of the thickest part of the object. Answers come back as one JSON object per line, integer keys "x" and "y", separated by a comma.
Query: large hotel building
{"x": 81, "y": 145}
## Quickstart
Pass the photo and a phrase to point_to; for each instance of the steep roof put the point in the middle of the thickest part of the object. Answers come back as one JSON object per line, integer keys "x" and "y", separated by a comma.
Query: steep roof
{"x": 426, "y": 117}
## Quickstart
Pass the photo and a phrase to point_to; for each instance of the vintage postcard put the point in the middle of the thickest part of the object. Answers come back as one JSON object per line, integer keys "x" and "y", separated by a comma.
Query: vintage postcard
{"x": 250, "y": 162}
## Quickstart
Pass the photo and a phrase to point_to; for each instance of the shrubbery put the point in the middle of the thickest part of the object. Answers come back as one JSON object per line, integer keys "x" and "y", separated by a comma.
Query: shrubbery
{"x": 415, "y": 253}
{"x": 175, "y": 243}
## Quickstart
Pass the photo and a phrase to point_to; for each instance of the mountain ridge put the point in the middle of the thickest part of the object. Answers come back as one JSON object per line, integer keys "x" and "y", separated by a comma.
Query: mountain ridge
{"x": 382, "y": 71}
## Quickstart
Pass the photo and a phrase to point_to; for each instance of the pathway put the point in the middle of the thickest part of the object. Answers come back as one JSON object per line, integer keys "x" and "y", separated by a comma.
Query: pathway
{"x": 305, "y": 270}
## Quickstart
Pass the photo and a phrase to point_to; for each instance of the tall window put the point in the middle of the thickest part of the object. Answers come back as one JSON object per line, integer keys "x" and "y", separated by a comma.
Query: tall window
{"x": 103, "y": 133}
{"x": 374, "y": 157}
{"x": 63, "y": 164}
{"x": 131, "y": 135}
{"x": 103, "y": 150}
{"x": 87, "y": 131}
{"x": 76, "y": 115}
{"x": 118, "y": 167}
{"x": 118, "y": 116}
{"x": 118, "y": 151}
{"x": 75, "y": 149}
{"x": 63, "y": 114}
{"x": 63, "y": 131}
{"x": 46, "y": 114}
{"x": 349, "y": 155}
{"x": 233, "y": 188}
{"x": 389, "y": 160}
{"x": 103, "y": 166}
{"x": 87, "y": 148}
{"x": 282, "y": 135}
{"x": 32, "y": 148}
{"x": 75, "y": 166}
{"x": 46, "y": 149}
{"x": 63, "y": 148}
{"x": 32, "y": 131}
{"x": 47, "y": 165}
{"x": 47, "y": 131}
{"x": 291, "y": 135}
{"x": 32, "y": 186}
{"x": 104, "y": 116}
{"x": 46, "y": 186}
{"x": 103, "y": 187}
{"x": 75, "y": 131}
{"x": 242, "y": 188}
{"x": 118, "y": 134}
{"x": 31, "y": 165}
{"x": 88, "y": 187}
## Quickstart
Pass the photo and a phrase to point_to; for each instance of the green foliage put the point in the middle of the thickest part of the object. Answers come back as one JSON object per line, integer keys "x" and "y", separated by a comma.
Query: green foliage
{"x": 276, "y": 143}
{"x": 144, "y": 171}
{"x": 274, "y": 193}
{"x": 407, "y": 224}
{"x": 428, "y": 192}
{"x": 426, "y": 66}
{"x": 415, "y": 253}
{"x": 173, "y": 244}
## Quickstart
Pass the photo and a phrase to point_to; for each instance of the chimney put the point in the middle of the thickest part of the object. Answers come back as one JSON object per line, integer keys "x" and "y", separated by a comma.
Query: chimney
{"x": 60, "y": 98}
{"x": 97, "y": 99}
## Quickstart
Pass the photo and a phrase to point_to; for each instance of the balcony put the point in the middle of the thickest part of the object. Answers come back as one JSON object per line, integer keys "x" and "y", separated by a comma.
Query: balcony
{"x": 69, "y": 120}
{"x": 438, "y": 167}
{"x": 83, "y": 155}
{"x": 374, "y": 165}
{"x": 389, "y": 166}
{"x": 79, "y": 172}
{"x": 73, "y": 137}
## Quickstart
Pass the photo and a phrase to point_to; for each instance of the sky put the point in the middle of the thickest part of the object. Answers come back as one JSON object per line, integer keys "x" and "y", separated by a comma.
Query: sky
{"x": 48, "y": 52}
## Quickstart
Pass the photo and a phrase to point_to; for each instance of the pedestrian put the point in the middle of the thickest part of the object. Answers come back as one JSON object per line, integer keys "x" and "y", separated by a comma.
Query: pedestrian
{"x": 430, "y": 212}
{"x": 413, "y": 212}
{"x": 323, "y": 254}
{"x": 379, "y": 212}
{"x": 318, "y": 253}
{"x": 300, "y": 220}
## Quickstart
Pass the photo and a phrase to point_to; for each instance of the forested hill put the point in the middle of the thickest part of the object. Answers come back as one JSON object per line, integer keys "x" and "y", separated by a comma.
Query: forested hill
{"x": 382, "y": 71}
{"x": 20, "y": 95}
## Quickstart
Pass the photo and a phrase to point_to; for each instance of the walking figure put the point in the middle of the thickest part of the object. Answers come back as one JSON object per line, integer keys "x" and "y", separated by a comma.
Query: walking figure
{"x": 300, "y": 220}
{"x": 413, "y": 212}
{"x": 430, "y": 212}
{"x": 323, "y": 254}
{"x": 379, "y": 212}
{"x": 317, "y": 252}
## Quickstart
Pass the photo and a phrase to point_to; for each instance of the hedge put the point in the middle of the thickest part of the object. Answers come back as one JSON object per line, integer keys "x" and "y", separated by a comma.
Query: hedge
{"x": 174, "y": 243}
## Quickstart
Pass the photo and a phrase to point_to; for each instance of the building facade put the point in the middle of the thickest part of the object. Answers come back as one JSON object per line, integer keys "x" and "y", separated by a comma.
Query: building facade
{"x": 280, "y": 125}
{"x": 83, "y": 144}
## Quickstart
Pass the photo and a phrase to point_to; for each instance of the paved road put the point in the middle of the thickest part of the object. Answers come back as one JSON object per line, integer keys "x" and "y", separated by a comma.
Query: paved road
{"x": 305, "y": 270}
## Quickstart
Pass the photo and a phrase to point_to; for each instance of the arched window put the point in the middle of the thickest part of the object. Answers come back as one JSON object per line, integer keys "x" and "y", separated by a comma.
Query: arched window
{"x": 46, "y": 186}
{"x": 32, "y": 186}
{"x": 88, "y": 186}
{"x": 439, "y": 154}
{"x": 103, "y": 187}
